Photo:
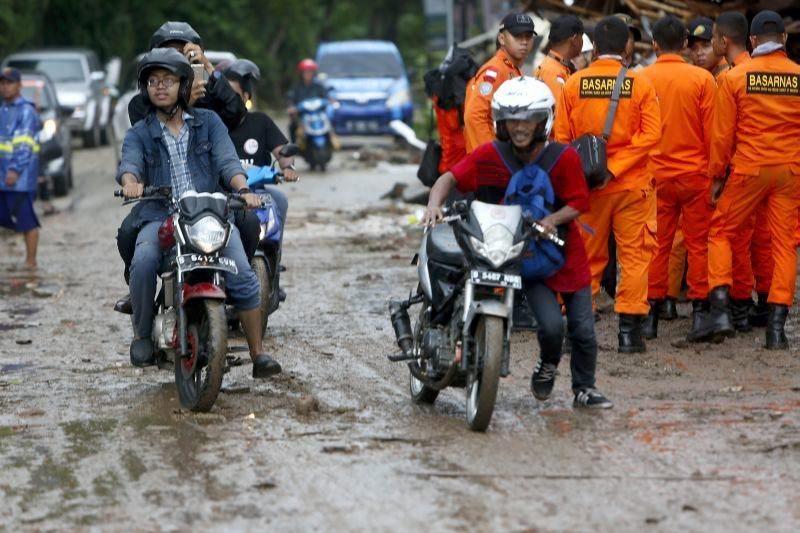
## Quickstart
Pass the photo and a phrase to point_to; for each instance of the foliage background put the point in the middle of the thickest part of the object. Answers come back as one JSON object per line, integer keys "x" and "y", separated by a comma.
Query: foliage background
{"x": 275, "y": 34}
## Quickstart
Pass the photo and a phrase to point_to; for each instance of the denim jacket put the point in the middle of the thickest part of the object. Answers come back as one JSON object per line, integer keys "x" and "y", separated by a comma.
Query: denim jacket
{"x": 212, "y": 159}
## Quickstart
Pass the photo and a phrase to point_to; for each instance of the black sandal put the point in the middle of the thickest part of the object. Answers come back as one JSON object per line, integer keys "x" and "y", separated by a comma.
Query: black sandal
{"x": 265, "y": 366}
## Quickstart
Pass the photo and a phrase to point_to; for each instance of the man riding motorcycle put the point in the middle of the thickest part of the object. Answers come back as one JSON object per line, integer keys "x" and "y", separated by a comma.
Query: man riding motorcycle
{"x": 159, "y": 151}
{"x": 522, "y": 109}
{"x": 306, "y": 88}
{"x": 215, "y": 95}
{"x": 256, "y": 139}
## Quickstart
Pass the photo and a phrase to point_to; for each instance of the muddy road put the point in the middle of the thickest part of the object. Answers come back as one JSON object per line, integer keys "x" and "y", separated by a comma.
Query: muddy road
{"x": 701, "y": 438}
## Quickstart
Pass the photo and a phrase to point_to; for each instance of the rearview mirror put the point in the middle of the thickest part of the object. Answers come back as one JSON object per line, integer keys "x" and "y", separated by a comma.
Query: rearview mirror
{"x": 289, "y": 150}
{"x": 97, "y": 75}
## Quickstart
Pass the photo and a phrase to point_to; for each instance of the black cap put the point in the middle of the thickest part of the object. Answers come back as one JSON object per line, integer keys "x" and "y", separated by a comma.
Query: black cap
{"x": 632, "y": 27}
{"x": 700, "y": 29}
{"x": 564, "y": 27}
{"x": 517, "y": 23}
{"x": 767, "y": 22}
{"x": 10, "y": 74}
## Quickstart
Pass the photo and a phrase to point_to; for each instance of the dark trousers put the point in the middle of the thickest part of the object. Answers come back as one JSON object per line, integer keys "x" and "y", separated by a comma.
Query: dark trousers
{"x": 580, "y": 328}
{"x": 245, "y": 220}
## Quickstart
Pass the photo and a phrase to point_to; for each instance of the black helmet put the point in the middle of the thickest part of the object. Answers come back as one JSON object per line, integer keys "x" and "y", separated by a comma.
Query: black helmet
{"x": 171, "y": 60}
{"x": 242, "y": 68}
{"x": 175, "y": 31}
{"x": 245, "y": 72}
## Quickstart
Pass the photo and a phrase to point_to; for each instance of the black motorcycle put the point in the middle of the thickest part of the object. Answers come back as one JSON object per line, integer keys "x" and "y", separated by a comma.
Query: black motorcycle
{"x": 190, "y": 333}
{"x": 468, "y": 277}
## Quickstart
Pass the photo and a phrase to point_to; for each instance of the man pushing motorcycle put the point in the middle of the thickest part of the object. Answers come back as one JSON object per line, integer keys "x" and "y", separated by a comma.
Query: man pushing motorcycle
{"x": 522, "y": 109}
{"x": 160, "y": 151}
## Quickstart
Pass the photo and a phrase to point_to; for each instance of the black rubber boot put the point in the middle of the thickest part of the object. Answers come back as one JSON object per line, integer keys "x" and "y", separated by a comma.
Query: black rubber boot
{"x": 776, "y": 336}
{"x": 716, "y": 323}
{"x": 699, "y": 308}
{"x": 740, "y": 311}
{"x": 668, "y": 309}
{"x": 650, "y": 326}
{"x": 630, "y": 334}
{"x": 759, "y": 313}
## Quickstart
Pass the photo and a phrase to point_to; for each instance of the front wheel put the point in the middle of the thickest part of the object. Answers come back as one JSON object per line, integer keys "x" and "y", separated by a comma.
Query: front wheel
{"x": 260, "y": 268}
{"x": 482, "y": 383}
{"x": 198, "y": 377}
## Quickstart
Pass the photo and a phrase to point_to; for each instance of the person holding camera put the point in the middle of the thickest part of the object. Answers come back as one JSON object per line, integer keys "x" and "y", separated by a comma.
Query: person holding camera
{"x": 623, "y": 199}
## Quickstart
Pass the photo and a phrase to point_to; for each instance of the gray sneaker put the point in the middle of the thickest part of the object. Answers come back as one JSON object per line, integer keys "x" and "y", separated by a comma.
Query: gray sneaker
{"x": 591, "y": 399}
{"x": 543, "y": 379}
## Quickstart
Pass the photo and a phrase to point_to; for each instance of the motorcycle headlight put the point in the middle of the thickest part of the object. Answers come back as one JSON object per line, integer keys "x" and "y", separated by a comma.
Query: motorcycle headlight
{"x": 207, "y": 235}
{"x": 498, "y": 245}
{"x": 399, "y": 98}
{"x": 48, "y": 130}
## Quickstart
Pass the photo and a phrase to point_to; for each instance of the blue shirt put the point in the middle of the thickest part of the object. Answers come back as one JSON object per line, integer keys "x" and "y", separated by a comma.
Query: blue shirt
{"x": 19, "y": 151}
{"x": 177, "y": 148}
{"x": 210, "y": 159}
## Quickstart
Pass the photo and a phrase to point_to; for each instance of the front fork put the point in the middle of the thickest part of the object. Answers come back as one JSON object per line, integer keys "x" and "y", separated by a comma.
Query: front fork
{"x": 472, "y": 311}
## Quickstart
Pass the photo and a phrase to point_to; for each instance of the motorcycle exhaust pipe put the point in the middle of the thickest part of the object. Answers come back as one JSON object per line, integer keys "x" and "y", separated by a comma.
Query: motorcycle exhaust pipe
{"x": 402, "y": 326}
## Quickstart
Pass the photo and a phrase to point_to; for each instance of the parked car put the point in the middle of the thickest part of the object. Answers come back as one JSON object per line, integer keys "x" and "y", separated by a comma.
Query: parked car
{"x": 55, "y": 148}
{"x": 81, "y": 84}
{"x": 120, "y": 123}
{"x": 369, "y": 81}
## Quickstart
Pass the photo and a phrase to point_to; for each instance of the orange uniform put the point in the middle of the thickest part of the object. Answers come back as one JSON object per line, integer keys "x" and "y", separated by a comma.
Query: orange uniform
{"x": 743, "y": 251}
{"x": 451, "y": 136}
{"x": 627, "y": 205}
{"x": 554, "y": 72}
{"x": 680, "y": 166}
{"x": 755, "y": 127}
{"x": 478, "y": 123}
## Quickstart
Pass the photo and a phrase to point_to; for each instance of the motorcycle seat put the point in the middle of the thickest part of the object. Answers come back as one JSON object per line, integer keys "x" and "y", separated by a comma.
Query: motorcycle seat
{"x": 442, "y": 246}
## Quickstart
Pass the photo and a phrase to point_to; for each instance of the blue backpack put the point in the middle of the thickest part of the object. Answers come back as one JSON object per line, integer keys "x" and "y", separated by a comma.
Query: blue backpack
{"x": 530, "y": 188}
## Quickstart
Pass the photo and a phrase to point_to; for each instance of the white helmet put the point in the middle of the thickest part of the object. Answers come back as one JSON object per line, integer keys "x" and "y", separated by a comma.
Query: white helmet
{"x": 524, "y": 98}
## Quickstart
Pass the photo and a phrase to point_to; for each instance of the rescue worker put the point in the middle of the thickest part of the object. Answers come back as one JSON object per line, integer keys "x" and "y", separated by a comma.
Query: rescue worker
{"x": 446, "y": 86}
{"x": 565, "y": 43}
{"x": 751, "y": 257}
{"x": 515, "y": 38}
{"x": 626, "y": 202}
{"x": 756, "y": 122}
{"x": 680, "y": 166}
{"x": 703, "y": 54}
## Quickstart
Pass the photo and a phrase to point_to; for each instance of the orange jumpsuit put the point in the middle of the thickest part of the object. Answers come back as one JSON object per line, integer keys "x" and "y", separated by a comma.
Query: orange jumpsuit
{"x": 451, "y": 136}
{"x": 554, "y": 72}
{"x": 755, "y": 127}
{"x": 680, "y": 166}
{"x": 627, "y": 205}
{"x": 742, "y": 286}
{"x": 478, "y": 123}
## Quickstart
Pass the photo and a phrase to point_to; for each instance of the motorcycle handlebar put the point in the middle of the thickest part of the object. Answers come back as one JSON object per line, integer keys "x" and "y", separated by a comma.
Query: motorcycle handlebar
{"x": 148, "y": 191}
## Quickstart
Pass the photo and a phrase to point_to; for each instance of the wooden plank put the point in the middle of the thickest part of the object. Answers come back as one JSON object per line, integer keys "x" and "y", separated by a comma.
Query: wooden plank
{"x": 661, "y": 6}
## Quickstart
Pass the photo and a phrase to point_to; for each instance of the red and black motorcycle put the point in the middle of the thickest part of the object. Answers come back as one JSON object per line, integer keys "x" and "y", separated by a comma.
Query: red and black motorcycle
{"x": 190, "y": 332}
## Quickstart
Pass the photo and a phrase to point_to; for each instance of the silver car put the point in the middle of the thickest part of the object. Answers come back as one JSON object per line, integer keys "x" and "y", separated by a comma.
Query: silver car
{"x": 81, "y": 83}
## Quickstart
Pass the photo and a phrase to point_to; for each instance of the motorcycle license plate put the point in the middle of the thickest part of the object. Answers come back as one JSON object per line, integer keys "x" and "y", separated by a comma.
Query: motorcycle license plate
{"x": 194, "y": 261}
{"x": 496, "y": 279}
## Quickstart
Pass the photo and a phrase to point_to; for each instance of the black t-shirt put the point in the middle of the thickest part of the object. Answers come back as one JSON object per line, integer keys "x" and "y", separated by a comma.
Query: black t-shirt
{"x": 255, "y": 139}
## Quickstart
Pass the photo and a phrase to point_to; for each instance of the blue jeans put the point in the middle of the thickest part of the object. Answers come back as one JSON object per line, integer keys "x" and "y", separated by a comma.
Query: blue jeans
{"x": 242, "y": 288}
{"x": 580, "y": 327}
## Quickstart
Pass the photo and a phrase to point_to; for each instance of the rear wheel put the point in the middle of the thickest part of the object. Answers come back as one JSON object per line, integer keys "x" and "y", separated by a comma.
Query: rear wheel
{"x": 420, "y": 393}
{"x": 260, "y": 268}
{"x": 199, "y": 376}
{"x": 482, "y": 383}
